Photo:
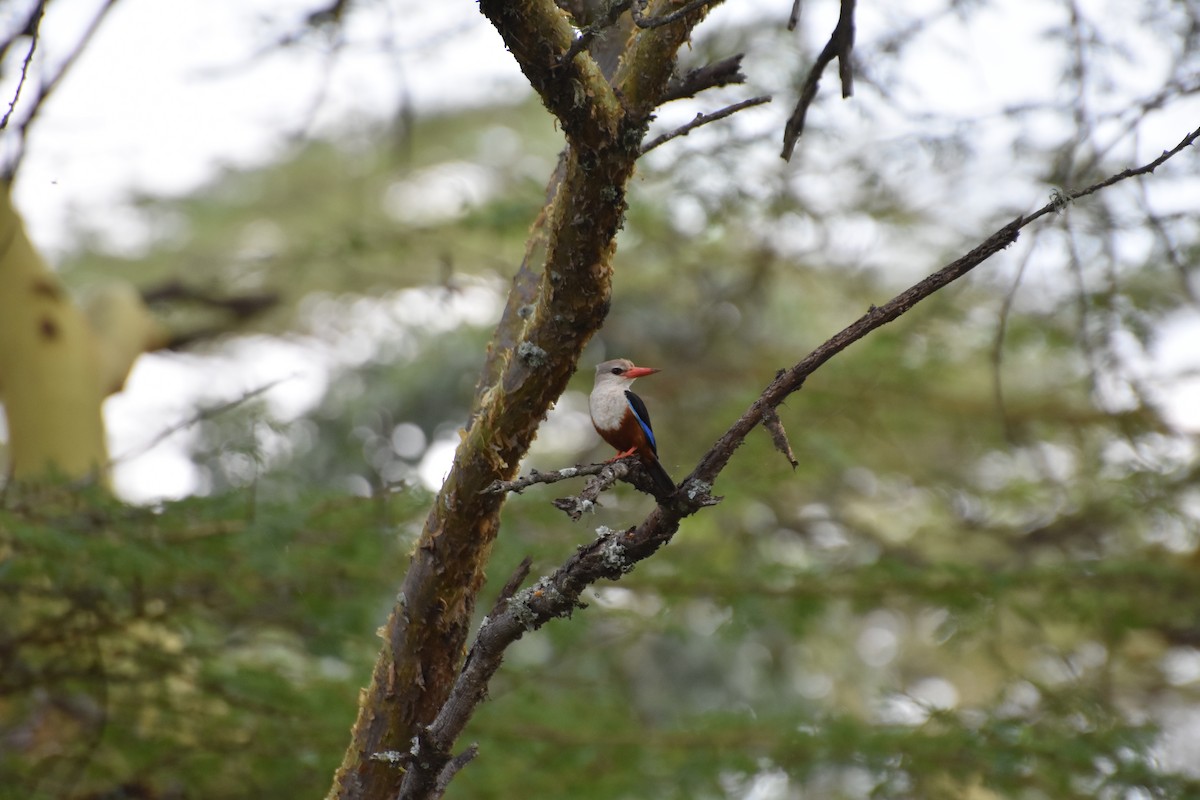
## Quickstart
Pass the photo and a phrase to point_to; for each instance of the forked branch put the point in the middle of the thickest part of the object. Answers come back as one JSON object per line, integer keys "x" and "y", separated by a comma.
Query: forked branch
{"x": 839, "y": 46}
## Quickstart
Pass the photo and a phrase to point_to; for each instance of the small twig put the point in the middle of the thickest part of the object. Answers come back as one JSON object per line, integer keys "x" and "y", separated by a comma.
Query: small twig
{"x": 330, "y": 14}
{"x": 602, "y": 476}
{"x": 839, "y": 46}
{"x": 452, "y": 768}
{"x": 240, "y": 307}
{"x": 32, "y": 28}
{"x": 794, "y": 17}
{"x": 704, "y": 119}
{"x": 521, "y": 484}
{"x": 200, "y": 416}
{"x": 1062, "y": 199}
{"x": 48, "y": 87}
{"x": 84, "y": 39}
{"x": 725, "y": 72}
{"x": 638, "y": 11}
{"x": 997, "y": 358}
{"x": 613, "y": 471}
{"x": 779, "y": 437}
{"x": 510, "y": 587}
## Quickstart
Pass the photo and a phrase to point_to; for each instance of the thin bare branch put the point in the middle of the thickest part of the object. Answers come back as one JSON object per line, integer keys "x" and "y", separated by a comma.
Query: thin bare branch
{"x": 521, "y": 484}
{"x": 198, "y": 417}
{"x": 1061, "y": 199}
{"x": 638, "y": 10}
{"x": 47, "y": 88}
{"x": 587, "y": 500}
{"x": 791, "y": 380}
{"x": 997, "y": 357}
{"x": 839, "y": 46}
{"x": 452, "y": 768}
{"x": 33, "y": 29}
{"x": 602, "y": 477}
{"x": 704, "y": 119}
{"x": 511, "y": 585}
{"x": 725, "y": 72}
{"x": 794, "y": 17}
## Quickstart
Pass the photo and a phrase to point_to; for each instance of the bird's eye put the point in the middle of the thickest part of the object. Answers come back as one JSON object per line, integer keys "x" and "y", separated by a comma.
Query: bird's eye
{"x": 617, "y": 370}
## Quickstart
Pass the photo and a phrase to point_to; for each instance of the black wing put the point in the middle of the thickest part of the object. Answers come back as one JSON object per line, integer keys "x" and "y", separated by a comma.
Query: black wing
{"x": 643, "y": 417}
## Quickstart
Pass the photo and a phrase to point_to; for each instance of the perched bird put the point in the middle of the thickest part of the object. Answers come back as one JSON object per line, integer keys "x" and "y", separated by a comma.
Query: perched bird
{"x": 621, "y": 419}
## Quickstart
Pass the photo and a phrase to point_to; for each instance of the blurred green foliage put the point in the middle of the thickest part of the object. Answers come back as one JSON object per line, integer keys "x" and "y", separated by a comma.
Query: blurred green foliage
{"x": 206, "y": 648}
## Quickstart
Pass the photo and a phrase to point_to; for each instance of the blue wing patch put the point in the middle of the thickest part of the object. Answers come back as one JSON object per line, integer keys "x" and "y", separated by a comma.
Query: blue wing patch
{"x": 643, "y": 417}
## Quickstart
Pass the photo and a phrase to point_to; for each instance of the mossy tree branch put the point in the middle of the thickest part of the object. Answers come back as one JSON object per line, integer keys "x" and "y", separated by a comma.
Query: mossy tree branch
{"x": 426, "y": 632}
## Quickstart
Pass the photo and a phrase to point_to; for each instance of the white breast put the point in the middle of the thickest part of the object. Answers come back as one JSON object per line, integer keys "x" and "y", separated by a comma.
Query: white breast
{"x": 608, "y": 404}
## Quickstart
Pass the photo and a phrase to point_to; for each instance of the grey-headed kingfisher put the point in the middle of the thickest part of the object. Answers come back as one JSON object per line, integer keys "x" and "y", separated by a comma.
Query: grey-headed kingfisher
{"x": 621, "y": 419}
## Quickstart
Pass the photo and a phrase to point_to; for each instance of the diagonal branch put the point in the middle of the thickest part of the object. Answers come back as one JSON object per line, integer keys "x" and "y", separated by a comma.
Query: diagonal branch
{"x": 33, "y": 30}
{"x": 615, "y": 553}
{"x": 791, "y": 380}
{"x": 704, "y": 119}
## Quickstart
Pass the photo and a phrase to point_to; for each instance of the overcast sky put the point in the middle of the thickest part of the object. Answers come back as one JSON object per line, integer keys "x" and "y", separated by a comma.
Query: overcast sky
{"x": 168, "y": 91}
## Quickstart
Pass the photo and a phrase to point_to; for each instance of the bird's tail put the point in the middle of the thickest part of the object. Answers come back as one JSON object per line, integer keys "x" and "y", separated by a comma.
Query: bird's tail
{"x": 663, "y": 485}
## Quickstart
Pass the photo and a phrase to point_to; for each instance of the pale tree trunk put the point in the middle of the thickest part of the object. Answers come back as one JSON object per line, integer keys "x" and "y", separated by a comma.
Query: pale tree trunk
{"x": 49, "y": 366}
{"x": 58, "y": 362}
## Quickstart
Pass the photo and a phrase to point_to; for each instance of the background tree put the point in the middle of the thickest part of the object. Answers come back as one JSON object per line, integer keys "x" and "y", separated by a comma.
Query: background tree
{"x": 976, "y": 580}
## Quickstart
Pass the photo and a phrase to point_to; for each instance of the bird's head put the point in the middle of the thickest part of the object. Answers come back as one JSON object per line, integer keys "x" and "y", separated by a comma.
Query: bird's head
{"x": 620, "y": 371}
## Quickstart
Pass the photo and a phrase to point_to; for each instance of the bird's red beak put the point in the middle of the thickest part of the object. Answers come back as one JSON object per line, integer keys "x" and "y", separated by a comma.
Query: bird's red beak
{"x": 639, "y": 372}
